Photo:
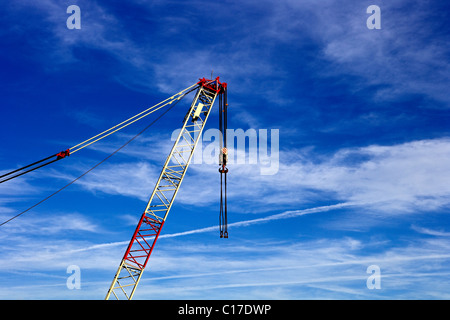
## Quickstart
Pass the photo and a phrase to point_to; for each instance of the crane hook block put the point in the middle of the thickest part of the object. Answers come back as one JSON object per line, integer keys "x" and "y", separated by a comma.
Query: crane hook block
{"x": 223, "y": 169}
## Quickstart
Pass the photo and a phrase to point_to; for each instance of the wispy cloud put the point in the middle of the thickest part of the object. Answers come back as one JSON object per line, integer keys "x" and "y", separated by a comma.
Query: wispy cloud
{"x": 338, "y": 30}
{"x": 431, "y": 232}
{"x": 322, "y": 268}
{"x": 50, "y": 224}
{"x": 400, "y": 178}
{"x": 129, "y": 179}
{"x": 400, "y": 58}
{"x": 280, "y": 216}
{"x": 290, "y": 64}
{"x": 245, "y": 223}
{"x": 407, "y": 177}
{"x": 306, "y": 265}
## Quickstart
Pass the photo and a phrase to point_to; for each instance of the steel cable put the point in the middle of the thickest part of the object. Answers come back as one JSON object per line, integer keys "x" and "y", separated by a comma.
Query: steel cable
{"x": 95, "y": 166}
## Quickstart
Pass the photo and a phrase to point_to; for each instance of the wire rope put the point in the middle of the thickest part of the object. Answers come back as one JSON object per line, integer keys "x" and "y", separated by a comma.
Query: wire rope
{"x": 175, "y": 98}
{"x": 95, "y": 166}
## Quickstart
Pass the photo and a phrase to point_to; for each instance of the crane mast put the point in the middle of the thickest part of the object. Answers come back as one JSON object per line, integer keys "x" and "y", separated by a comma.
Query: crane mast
{"x": 155, "y": 214}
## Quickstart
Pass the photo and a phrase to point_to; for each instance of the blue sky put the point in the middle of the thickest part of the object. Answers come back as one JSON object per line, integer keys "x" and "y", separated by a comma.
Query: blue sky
{"x": 363, "y": 120}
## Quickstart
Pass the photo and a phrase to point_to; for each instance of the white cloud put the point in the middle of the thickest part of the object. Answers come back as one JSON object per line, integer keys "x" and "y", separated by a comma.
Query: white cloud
{"x": 401, "y": 57}
{"x": 437, "y": 233}
{"x": 408, "y": 177}
{"x": 129, "y": 179}
{"x": 49, "y": 224}
{"x": 295, "y": 268}
{"x": 292, "y": 269}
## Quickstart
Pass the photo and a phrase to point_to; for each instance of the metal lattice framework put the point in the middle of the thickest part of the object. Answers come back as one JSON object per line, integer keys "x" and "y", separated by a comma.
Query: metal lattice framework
{"x": 152, "y": 220}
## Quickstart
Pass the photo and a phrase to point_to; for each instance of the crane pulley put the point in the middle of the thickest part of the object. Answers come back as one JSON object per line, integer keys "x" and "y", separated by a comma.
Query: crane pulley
{"x": 33, "y": 166}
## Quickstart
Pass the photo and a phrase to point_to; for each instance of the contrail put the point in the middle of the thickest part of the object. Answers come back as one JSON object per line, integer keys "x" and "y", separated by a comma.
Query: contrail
{"x": 245, "y": 223}
{"x": 279, "y": 216}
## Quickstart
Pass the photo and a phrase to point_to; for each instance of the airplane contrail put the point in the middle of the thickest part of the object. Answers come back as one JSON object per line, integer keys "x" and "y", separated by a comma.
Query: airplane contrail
{"x": 279, "y": 216}
{"x": 245, "y": 223}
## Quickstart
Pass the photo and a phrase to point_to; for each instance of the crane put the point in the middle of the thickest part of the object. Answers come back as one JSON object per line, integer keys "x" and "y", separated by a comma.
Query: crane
{"x": 174, "y": 169}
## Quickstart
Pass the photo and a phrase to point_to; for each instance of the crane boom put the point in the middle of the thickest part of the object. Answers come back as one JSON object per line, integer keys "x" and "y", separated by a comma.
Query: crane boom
{"x": 155, "y": 214}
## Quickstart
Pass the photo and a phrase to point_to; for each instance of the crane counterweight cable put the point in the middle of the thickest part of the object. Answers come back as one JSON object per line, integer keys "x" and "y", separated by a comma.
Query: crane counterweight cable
{"x": 33, "y": 166}
{"x": 61, "y": 155}
{"x": 132, "y": 120}
{"x": 92, "y": 168}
